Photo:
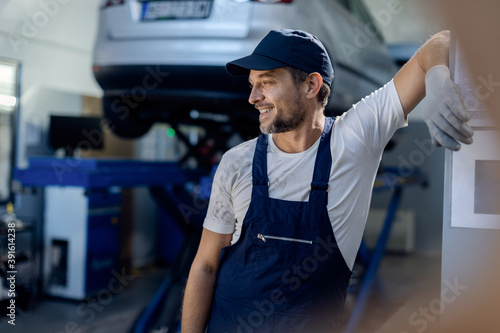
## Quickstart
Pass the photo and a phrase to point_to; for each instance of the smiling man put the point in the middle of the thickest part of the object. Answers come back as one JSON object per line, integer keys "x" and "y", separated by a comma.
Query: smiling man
{"x": 288, "y": 209}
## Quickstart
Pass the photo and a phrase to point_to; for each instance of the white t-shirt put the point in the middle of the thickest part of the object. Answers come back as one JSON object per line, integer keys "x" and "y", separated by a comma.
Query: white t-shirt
{"x": 358, "y": 139}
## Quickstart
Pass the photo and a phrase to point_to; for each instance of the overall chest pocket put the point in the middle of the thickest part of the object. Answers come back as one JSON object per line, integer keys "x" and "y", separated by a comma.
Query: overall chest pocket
{"x": 284, "y": 262}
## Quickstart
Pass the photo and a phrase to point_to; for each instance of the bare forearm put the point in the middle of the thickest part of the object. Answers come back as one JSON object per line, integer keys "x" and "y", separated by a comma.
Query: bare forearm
{"x": 201, "y": 282}
{"x": 435, "y": 51}
{"x": 410, "y": 80}
{"x": 197, "y": 300}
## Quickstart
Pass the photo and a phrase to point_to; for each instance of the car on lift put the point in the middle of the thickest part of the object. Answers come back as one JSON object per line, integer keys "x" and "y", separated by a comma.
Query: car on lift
{"x": 164, "y": 60}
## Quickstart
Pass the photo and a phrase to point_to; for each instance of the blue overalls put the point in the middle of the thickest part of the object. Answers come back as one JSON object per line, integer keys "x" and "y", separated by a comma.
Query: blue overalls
{"x": 286, "y": 273}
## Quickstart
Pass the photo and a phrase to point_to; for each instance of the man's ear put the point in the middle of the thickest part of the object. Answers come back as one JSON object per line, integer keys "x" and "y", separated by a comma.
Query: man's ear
{"x": 312, "y": 85}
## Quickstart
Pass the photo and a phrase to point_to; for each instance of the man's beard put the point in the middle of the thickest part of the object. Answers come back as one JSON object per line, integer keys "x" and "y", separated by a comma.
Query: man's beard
{"x": 285, "y": 123}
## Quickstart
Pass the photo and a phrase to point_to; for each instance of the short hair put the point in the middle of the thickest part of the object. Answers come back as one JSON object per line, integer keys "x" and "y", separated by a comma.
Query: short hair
{"x": 299, "y": 76}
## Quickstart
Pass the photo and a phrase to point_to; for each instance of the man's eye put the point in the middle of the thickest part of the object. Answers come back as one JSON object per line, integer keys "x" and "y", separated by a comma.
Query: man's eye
{"x": 266, "y": 83}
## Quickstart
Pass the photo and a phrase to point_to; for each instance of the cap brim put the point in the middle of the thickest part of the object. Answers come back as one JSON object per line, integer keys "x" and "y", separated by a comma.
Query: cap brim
{"x": 242, "y": 66}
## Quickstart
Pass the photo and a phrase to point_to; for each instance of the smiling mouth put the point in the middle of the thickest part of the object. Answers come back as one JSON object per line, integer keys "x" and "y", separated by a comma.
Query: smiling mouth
{"x": 266, "y": 110}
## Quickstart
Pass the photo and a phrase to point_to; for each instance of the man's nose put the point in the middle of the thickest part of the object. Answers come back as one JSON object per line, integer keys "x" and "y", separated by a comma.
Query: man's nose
{"x": 255, "y": 96}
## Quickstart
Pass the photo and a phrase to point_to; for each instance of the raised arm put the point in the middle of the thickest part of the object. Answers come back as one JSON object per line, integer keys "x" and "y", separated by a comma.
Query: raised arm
{"x": 201, "y": 282}
{"x": 427, "y": 75}
{"x": 410, "y": 80}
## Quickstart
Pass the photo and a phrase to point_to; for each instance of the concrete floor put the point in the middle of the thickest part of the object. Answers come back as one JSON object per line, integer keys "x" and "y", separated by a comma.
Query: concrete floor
{"x": 404, "y": 282}
{"x": 116, "y": 315}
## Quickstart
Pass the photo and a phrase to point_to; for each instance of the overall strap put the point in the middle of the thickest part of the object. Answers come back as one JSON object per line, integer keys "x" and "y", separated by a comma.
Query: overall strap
{"x": 323, "y": 165}
{"x": 260, "y": 179}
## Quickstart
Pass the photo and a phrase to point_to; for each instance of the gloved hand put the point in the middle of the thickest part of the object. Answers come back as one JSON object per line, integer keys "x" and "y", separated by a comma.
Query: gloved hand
{"x": 444, "y": 111}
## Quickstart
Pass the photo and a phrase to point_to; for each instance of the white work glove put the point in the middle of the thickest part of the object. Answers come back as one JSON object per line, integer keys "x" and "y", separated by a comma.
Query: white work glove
{"x": 444, "y": 111}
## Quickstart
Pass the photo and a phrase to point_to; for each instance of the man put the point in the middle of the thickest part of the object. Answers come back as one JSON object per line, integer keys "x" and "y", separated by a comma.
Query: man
{"x": 287, "y": 210}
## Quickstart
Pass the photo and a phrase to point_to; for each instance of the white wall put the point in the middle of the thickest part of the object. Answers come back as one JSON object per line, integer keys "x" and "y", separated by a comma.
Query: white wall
{"x": 53, "y": 41}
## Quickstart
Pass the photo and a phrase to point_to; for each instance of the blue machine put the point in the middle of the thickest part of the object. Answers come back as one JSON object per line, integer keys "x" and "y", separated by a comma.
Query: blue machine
{"x": 82, "y": 215}
{"x": 100, "y": 173}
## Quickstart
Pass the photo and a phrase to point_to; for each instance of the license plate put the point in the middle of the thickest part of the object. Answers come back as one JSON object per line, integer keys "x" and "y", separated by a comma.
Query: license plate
{"x": 171, "y": 10}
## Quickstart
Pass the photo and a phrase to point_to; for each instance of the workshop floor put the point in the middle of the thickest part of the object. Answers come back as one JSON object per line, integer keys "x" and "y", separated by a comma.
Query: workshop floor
{"x": 404, "y": 282}
{"x": 404, "y": 285}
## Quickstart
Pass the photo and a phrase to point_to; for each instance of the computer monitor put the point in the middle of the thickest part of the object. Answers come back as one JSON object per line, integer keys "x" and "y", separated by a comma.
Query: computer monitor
{"x": 72, "y": 132}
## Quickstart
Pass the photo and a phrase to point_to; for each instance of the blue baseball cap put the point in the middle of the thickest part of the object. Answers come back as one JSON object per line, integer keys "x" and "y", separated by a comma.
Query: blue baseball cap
{"x": 286, "y": 47}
